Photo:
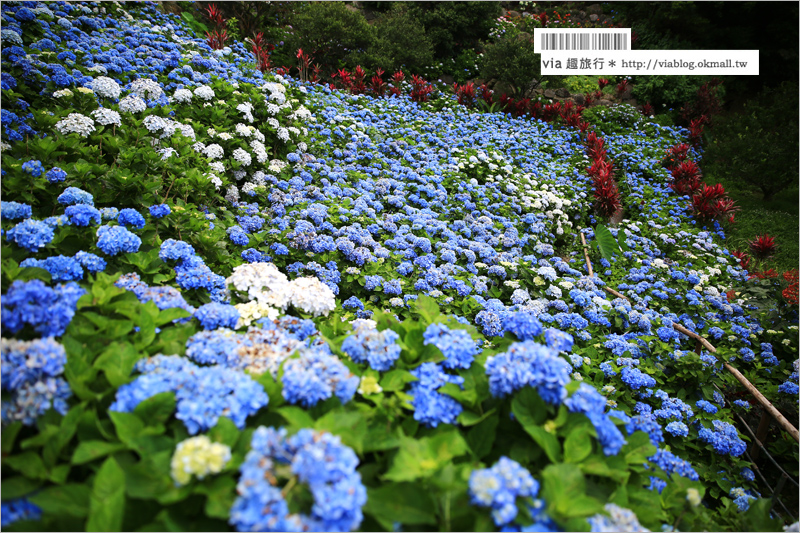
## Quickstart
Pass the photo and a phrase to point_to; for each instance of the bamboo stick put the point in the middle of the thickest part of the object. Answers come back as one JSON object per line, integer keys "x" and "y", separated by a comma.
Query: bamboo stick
{"x": 696, "y": 337}
{"x": 617, "y": 294}
{"x": 764, "y": 402}
{"x": 585, "y": 254}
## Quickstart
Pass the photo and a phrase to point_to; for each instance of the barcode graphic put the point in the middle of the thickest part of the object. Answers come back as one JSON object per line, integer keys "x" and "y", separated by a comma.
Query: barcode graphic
{"x": 584, "y": 41}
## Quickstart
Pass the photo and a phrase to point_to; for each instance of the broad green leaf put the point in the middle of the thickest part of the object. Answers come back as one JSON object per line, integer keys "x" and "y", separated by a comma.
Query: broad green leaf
{"x": 10, "y": 433}
{"x": 578, "y": 444}
{"x": 18, "y": 486}
{"x": 94, "y": 449}
{"x": 481, "y": 437}
{"x": 395, "y": 380}
{"x": 350, "y": 426}
{"x": 225, "y": 432}
{"x": 422, "y": 457}
{"x": 638, "y": 448}
{"x": 606, "y": 242}
{"x": 470, "y": 418}
{"x": 107, "y": 500}
{"x": 117, "y": 362}
{"x": 29, "y": 464}
{"x": 531, "y": 412}
{"x": 60, "y": 500}
{"x": 221, "y": 495}
{"x": 297, "y": 417}
{"x": 407, "y": 503}
{"x": 157, "y": 409}
{"x": 564, "y": 489}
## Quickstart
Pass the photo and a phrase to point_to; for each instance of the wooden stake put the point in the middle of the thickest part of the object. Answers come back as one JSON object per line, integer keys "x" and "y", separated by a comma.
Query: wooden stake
{"x": 617, "y": 294}
{"x": 586, "y": 255}
{"x": 707, "y": 345}
{"x": 761, "y": 435}
{"x": 766, "y": 403}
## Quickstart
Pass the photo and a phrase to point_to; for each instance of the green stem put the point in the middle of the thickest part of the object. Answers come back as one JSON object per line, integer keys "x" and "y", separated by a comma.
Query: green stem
{"x": 288, "y": 488}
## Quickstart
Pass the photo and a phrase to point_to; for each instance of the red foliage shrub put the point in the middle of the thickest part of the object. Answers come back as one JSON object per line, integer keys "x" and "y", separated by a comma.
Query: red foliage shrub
{"x": 763, "y": 246}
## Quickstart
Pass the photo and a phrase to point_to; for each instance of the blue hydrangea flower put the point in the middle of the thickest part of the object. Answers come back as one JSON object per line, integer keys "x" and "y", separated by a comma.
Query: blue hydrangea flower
{"x": 61, "y": 268}
{"x": 33, "y": 167}
{"x": 115, "y": 239}
{"x": 320, "y": 461}
{"x": 523, "y": 324}
{"x": 379, "y": 349}
{"x": 316, "y": 375}
{"x": 74, "y": 195}
{"x": 131, "y": 217}
{"x": 160, "y": 210}
{"x": 19, "y": 509}
{"x": 677, "y": 429}
{"x": 457, "y": 346}
{"x": 203, "y": 394}
{"x": 55, "y": 175}
{"x": 529, "y": 364}
{"x": 724, "y": 438}
{"x": 83, "y": 215}
{"x": 559, "y": 340}
{"x": 14, "y": 210}
{"x": 432, "y": 408}
{"x": 91, "y": 262}
{"x": 499, "y": 487}
{"x": 217, "y": 315}
{"x": 175, "y": 250}
{"x": 48, "y": 310}
{"x": 31, "y": 234}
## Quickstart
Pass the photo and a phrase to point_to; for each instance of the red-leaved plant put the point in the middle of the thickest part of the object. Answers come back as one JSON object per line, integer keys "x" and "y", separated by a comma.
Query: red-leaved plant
{"x": 763, "y": 246}
{"x": 744, "y": 259}
{"x": 420, "y": 89}
{"x": 710, "y": 203}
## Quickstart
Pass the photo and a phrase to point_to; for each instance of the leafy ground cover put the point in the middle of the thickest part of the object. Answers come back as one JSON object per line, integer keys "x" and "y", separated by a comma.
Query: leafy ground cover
{"x": 235, "y": 300}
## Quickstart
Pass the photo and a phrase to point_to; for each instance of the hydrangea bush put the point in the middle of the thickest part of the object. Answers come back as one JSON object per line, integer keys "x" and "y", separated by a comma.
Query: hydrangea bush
{"x": 235, "y": 300}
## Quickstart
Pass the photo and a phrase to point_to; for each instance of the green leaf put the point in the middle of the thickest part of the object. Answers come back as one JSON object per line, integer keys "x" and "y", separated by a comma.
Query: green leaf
{"x": 470, "y": 418}
{"x": 157, "y": 409}
{"x": 467, "y": 397}
{"x": 380, "y": 437}
{"x": 90, "y": 450}
{"x": 606, "y": 242}
{"x": 482, "y": 436}
{"x": 427, "y": 308}
{"x": 107, "y": 500}
{"x": 18, "y": 486}
{"x": 350, "y": 426}
{"x": 422, "y": 457}
{"x": 225, "y": 432}
{"x": 63, "y": 500}
{"x": 395, "y": 380}
{"x": 10, "y": 433}
{"x": 407, "y": 503}
{"x": 638, "y": 448}
{"x": 531, "y": 411}
{"x": 29, "y": 464}
{"x": 578, "y": 444}
{"x": 128, "y": 425}
{"x": 221, "y": 495}
{"x": 564, "y": 489}
{"x": 117, "y": 362}
{"x": 297, "y": 417}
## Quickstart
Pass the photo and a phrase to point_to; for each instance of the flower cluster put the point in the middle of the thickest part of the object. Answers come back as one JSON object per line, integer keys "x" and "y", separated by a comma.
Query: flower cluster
{"x": 31, "y": 372}
{"x": 203, "y": 394}
{"x": 318, "y": 460}
{"x": 499, "y": 487}
{"x": 379, "y": 349}
{"x": 198, "y": 456}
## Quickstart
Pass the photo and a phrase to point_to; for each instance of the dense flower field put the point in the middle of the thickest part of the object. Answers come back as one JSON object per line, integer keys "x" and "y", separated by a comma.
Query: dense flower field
{"x": 236, "y": 300}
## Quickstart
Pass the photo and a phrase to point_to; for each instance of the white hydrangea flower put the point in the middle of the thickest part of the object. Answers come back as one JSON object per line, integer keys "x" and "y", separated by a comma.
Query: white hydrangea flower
{"x": 262, "y": 282}
{"x": 76, "y": 123}
{"x": 312, "y": 296}
{"x": 253, "y": 310}
{"x": 198, "y": 456}
{"x": 242, "y": 157}
{"x": 132, "y": 104}
{"x": 107, "y": 117}
{"x": 204, "y": 92}
{"x": 225, "y": 136}
{"x": 182, "y": 96}
{"x": 217, "y": 167}
{"x": 214, "y": 151}
{"x": 62, "y": 93}
{"x": 283, "y": 134}
{"x": 243, "y": 130}
{"x": 106, "y": 87}
{"x": 272, "y": 109}
{"x": 146, "y": 88}
{"x": 154, "y": 123}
